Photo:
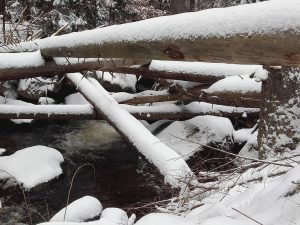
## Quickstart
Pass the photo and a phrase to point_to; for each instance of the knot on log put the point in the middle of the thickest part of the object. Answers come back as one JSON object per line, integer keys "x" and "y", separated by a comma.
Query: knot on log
{"x": 174, "y": 52}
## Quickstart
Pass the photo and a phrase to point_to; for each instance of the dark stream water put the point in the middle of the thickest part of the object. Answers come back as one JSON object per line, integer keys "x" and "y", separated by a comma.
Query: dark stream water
{"x": 121, "y": 177}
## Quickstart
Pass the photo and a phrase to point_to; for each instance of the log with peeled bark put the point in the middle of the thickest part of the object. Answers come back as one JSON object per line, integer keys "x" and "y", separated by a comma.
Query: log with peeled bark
{"x": 229, "y": 35}
{"x": 149, "y": 113}
{"x": 170, "y": 164}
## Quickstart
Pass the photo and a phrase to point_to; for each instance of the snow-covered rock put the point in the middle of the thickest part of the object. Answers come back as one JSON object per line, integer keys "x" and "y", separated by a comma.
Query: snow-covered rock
{"x": 31, "y": 166}
{"x": 81, "y": 210}
{"x": 186, "y": 137}
{"x": 113, "y": 216}
{"x": 163, "y": 219}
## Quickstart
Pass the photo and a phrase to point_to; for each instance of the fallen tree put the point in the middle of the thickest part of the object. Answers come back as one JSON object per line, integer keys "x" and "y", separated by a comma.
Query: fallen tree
{"x": 199, "y": 36}
{"x": 33, "y": 64}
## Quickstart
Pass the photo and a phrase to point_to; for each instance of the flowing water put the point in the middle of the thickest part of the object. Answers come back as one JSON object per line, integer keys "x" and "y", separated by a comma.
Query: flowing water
{"x": 116, "y": 176}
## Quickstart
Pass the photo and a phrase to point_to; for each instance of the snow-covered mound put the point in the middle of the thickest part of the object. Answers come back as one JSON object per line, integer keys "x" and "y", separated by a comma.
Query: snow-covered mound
{"x": 235, "y": 84}
{"x": 31, "y": 166}
{"x": 163, "y": 219}
{"x": 271, "y": 200}
{"x": 113, "y": 216}
{"x": 81, "y": 210}
{"x": 185, "y": 137}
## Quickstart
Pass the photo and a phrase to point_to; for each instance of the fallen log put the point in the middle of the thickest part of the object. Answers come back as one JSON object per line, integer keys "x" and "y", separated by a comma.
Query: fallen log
{"x": 33, "y": 64}
{"x": 207, "y": 36}
{"x": 213, "y": 99}
{"x": 150, "y": 113}
{"x": 171, "y": 165}
{"x": 188, "y": 71}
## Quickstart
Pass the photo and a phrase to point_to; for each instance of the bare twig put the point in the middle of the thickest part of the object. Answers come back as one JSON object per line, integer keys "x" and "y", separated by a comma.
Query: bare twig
{"x": 247, "y": 216}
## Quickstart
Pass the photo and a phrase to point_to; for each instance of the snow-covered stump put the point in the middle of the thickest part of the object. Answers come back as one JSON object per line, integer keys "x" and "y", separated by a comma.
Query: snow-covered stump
{"x": 170, "y": 164}
{"x": 279, "y": 127}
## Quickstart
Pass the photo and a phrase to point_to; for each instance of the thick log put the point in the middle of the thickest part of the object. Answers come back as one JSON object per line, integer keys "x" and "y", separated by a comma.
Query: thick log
{"x": 171, "y": 165}
{"x": 279, "y": 129}
{"x": 208, "y": 36}
{"x": 86, "y": 112}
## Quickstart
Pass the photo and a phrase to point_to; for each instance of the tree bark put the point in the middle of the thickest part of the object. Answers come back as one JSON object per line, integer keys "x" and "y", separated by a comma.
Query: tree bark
{"x": 279, "y": 128}
{"x": 180, "y": 6}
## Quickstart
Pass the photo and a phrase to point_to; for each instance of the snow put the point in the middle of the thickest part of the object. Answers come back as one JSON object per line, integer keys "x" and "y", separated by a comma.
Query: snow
{"x": 271, "y": 201}
{"x": 113, "y": 216}
{"x": 186, "y": 137}
{"x": 47, "y": 109}
{"x": 169, "y": 163}
{"x": 235, "y": 84}
{"x": 250, "y": 149}
{"x": 163, "y": 219}
{"x": 271, "y": 17}
{"x": 242, "y": 135}
{"x": 203, "y": 69}
{"x": 2, "y": 151}
{"x": 21, "y": 60}
{"x": 125, "y": 81}
{"x": 76, "y": 99}
{"x": 12, "y": 103}
{"x": 32, "y": 166}
{"x": 81, "y": 210}
{"x": 46, "y": 101}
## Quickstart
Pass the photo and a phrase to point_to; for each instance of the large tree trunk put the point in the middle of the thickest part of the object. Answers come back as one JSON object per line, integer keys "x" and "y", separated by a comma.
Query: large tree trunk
{"x": 190, "y": 37}
{"x": 180, "y": 6}
{"x": 279, "y": 127}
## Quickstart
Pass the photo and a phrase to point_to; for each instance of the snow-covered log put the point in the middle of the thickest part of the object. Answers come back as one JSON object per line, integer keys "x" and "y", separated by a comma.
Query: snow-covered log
{"x": 33, "y": 64}
{"x": 266, "y": 33}
{"x": 150, "y": 113}
{"x": 188, "y": 71}
{"x": 175, "y": 170}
